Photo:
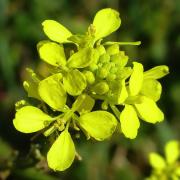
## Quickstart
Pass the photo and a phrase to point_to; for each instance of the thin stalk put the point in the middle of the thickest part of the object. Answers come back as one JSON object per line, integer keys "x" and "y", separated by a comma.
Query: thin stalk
{"x": 115, "y": 110}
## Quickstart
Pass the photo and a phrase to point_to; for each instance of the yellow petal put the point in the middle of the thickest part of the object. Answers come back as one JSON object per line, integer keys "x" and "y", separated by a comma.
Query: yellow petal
{"x": 149, "y": 111}
{"x": 30, "y": 119}
{"x": 83, "y": 104}
{"x": 52, "y": 92}
{"x": 129, "y": 122}
{"x": 172, "y": 151}
{"x": 98, "y": 124}
{"x": 74, "y": 82}
{"x": 123, "y": 94}
{"x": 136, "y": 79}
{"x": 55, "y": 31}
{"x": 105, "y": 22}
{"x": 52, "y": 53}
{"x": 177, "y": 171}
{"x": 152, "y": 89}
{"x": 62, "y": 153}
{"x": 156, "y": 72}
{"x": 157, "y": 161}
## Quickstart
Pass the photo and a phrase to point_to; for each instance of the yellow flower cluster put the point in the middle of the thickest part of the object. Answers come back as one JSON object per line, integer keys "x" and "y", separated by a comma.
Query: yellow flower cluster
{"x": 167, "y": 168}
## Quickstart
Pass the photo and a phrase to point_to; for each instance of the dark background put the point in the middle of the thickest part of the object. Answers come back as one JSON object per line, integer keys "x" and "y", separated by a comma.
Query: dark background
{"x": 155, "y": 23}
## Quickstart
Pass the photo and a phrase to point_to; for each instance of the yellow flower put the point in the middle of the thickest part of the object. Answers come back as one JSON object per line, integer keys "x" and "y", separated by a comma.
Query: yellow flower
{"x": 144, "y": 91}
{"x": 168, "y": 167}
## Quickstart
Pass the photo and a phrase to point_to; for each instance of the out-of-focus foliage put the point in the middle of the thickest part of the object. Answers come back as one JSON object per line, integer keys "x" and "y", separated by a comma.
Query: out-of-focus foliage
{"x": 154, "y": 23}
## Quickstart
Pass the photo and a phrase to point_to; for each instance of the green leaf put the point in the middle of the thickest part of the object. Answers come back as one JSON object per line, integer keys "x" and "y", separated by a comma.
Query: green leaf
{"x": 52, "y": 92}
{"x": 30, "y": 119}
{"x": 105, "y": 22}
{"x": 152, "y": 89}
{"x": 156, "y": 161}
{"x": 136, "y": 79}
{"x": 172, "y": 151}
{"x": 74, "y": 82}
{"x": 156, "y": 72}
{"x": 55, "y": 31}
{"x": 83, "y": 104}
{"x": 129, "y": 122}
{"x": 83, "y": 58}
{"x": 62, "y": 153}
{"x": 99, "y": 124}
{"x": 52, "y": 53}
{"x": 149, "y": 111}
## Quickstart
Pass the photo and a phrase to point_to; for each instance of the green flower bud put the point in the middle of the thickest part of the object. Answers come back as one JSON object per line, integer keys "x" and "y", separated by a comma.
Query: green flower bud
{"x": 113, "y": 49}
{"x": 104, "y": 105}
{"x": 124, "y": 73}
{"x": 101, "y": 50}
{"x": 107, "y": 66}
{"x": 111, "y": 77}
{"x": 113, "y": 70}
{"x": 101, "y": 88}
{"x": 93, "y": 67}
{"x": 102, "y": 73}
{"x": 104, "y": 58}
{"x": 90, "y": 79}
{"x": 120, "y": 59}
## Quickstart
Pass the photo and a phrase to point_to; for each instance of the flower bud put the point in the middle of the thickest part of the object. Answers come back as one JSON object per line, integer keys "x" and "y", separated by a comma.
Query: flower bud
{"x": 89, "y": 77}
{"x": 101, "y": 88}
{"x": 113, "y": 49}
{"x": 105, "y": 58}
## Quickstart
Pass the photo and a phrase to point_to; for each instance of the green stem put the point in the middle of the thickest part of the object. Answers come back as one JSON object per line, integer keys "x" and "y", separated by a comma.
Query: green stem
{"x": 115, "y": 110}
{"x": 123, "y": 43}
{"x": 57, "y": 117}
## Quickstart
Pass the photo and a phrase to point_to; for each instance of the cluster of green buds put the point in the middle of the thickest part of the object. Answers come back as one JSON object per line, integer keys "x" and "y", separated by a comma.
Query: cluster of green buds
{"x": 168, "y": 167}
{"x": 82, "y": 76}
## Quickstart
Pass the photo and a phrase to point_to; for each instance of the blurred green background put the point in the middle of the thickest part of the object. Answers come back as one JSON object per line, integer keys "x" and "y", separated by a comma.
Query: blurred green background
{"x": 155, "y": 23}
